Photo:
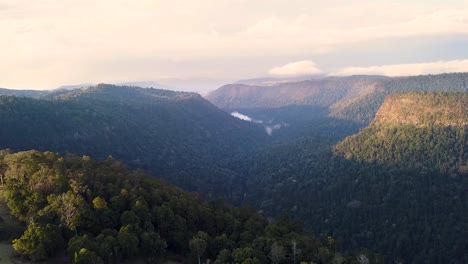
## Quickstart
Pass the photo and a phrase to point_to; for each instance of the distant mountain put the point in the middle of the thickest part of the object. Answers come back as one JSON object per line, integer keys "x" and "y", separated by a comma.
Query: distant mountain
{"x": 72, "y": 87}
{"x": 149, "y": 84}
{"x": 23, "y": 93}
{"x": 268, "y": 81}
{"x": 354, "y": 98}
{"x": 175, "y": 134}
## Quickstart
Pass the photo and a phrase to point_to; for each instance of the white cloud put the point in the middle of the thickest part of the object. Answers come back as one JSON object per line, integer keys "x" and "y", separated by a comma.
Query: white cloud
{"x": 305, "y": 67}
{"x": 407, "y": 69}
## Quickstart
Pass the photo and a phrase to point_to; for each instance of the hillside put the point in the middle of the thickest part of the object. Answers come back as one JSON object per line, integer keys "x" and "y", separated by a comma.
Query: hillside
{"x": 424, "y": 109}
{"x": 398, "y": 188}
{"x": 101, "y": 212}
{"x": 354, "y": 98}
{"x": 414, "y": 129}
{"x": 179, "y": 135}
{"x": 23, "y": 93}
{"x": 319, "y": 92}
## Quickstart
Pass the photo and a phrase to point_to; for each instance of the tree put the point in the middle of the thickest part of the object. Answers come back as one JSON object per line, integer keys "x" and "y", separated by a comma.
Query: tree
{"x": 85, "y": 256}
{"x": 78, "y": 242}
{"x": 225, "y": 256}
{"x": 294, "y": 248}
{"x": 99, "y": 203}
{"x": 198, "y": 247}
{"x": 276, "y": 253}
{"x": 242, "y": 254}
{"x": 69, "y": 207}
{"x": 362, "y": 259}
{"x": 128, "y": 243}
{"x": 3, "y": 168}
{"x": 38, "y": 241}
{"x": 152, "y": 245}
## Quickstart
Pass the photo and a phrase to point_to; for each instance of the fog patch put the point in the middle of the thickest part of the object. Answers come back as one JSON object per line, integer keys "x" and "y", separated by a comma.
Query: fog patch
{"x": 269, "y": 126}
{"x": 241, "y": 116}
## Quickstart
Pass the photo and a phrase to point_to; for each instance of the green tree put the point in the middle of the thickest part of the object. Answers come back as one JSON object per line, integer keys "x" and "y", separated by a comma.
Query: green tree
{"x": 99, "y": 203}
{"x": 198, "y": 247}
{"x": 152, "y": 245}
{"x": 39, "y": 242}
{"x": 276, "y": 253}
{"x": 128, "y": 243}
{"x": 85, "y": 256}
{"x": 225, "y": 256}
{"x": 69, "y": 207}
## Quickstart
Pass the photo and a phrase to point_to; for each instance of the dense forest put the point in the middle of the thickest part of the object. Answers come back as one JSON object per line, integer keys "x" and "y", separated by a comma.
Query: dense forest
{"x": 101, "y": 212}
{"x": 409, "y": 214}
{"x": 175, "y": 134}
{"x": 396, "y": 187}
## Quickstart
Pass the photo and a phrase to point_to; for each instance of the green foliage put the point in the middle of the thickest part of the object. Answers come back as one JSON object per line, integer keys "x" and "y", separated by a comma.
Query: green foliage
{"x": 106, "y": 214}
{"x": 177, "y": 135}
{"x": 84, "y": 256}
{"x": 398, "y": 189}
{"x": 39, "y": 241}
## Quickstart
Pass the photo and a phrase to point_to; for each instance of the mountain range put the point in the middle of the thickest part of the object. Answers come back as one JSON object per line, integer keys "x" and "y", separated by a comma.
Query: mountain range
{"x": 354, "y": 98}
{"x": 375, "y": 162}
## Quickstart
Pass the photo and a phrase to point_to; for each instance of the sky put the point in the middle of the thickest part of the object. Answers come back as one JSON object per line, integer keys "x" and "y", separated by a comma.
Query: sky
{"x": 202, "y": 44}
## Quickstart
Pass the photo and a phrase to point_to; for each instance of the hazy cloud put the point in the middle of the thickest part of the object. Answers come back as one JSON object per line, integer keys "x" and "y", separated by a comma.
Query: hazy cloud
{"x": 408, "y": 69}
{"x": 48, "y": 43}
{"x": 305, "y": 67}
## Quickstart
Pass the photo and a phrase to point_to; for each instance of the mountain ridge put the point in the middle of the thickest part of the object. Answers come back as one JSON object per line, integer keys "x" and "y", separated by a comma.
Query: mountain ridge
{"x": 175, "y": 134}
{"x": 354, "y": 98}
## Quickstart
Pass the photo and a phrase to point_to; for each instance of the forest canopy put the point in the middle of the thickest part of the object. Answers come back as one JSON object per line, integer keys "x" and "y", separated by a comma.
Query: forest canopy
{"x": 101, "y": 212}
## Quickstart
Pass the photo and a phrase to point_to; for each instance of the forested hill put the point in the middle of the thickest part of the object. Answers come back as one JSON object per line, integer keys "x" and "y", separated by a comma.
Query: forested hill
{"x": 23, "y": 93}
{"x": 415, "y": 129}
{"x": 179, "y": 135}
{"x": 354, "y": 98}
{"x": 101, "y": 212}
{"x": 398, "y": 188}
{"x": 422, "y": 109}
{"x": 324, "y": 92}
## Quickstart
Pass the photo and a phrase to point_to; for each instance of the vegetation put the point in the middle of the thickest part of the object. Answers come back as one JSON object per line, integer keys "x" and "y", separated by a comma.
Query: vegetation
{"x": 394, "y": 188}
{"x": 178, "y": 135}
{"x": 100, "y": 212}
{"x": 354, "y": 98}
{"x": 397, "y": 187}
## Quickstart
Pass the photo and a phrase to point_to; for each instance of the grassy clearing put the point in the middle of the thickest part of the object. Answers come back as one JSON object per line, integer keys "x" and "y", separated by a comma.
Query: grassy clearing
{"x": 8, "y": 227}
{"x": 8, "y": 224}
{"x": 6, "y": 251}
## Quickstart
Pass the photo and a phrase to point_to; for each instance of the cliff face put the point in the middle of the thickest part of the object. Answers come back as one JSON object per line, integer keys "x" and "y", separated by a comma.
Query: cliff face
{"x": 422, "y": 109}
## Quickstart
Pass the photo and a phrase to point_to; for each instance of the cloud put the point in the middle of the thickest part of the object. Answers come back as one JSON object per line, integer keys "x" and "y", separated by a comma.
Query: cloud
{"x": 445, "y": 21}
{"x": 305, "y": 67}
{"x": 48, "y": 43}
{"x": 407, "y": 69}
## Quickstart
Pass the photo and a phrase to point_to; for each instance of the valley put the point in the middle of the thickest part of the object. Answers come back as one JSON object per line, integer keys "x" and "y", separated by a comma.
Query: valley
{"x": 378, "y": 164}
